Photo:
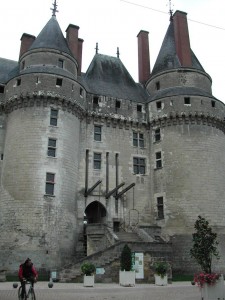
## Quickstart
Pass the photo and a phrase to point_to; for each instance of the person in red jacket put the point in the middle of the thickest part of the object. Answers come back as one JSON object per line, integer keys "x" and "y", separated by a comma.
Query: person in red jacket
{"x": 27, "y": 272}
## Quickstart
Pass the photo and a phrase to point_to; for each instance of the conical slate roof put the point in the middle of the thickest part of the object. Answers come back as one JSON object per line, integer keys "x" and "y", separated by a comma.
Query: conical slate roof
{"x": 51, "y": 37}
{"x": 167, "y": 58}
{"x": 108, "y": 76}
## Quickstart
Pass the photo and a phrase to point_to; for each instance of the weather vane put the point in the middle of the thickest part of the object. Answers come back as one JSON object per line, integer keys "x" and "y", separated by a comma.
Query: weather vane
{"x": 54, "y": 9}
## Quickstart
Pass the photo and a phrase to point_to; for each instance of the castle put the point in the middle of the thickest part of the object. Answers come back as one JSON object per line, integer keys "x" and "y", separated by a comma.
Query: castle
{"x": 99, "y": 151}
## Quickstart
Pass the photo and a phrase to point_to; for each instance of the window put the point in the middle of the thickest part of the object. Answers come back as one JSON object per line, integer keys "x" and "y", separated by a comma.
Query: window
{"x": 157, "y": 85}
{"x": 98, "y": 133}
{"x": 97, "y": 161}
{"x": 159, "y": 105}
{"x": 95, "y": 102}
{"x": 160, "y": 208}
{"x": 139, "y": 108}
{"x": 157, "y": 135}
{"x": 23, "y": 64}
{"x": 81, "y": 92}
{"x": 59, "y": 81}
{"x": 54, "y": 117}
{"x": 52, "y": 147}
{"x": 118, "y": 104}
{"x": 2, "y": 89}
{"x": 138, "y": 139}
{"x": 60, "y": 63}
{"x": 2, "y": 156}
{"x": 213, "y": 103}
{"x": 50, "y": 182}
{"x": 139, "y": 165}
{"x": 18, "y": 82}
{"x": 158, "y": 157}
{"x": 187, "y": 100}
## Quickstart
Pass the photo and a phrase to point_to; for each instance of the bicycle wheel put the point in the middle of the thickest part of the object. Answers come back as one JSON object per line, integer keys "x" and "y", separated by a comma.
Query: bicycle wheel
{"x": 20, "y": 293}
{"x": 32, "y": 295}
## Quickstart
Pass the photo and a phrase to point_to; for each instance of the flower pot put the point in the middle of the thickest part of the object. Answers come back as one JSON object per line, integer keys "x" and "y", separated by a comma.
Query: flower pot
{"x": 50, "y": 284}
{"x": 213, "y": 292}
{"x": 127, "y": 278}
{"x": 89, "y": 280}
{"x": 15, "y": 285}
{"x": 161, "y": 280}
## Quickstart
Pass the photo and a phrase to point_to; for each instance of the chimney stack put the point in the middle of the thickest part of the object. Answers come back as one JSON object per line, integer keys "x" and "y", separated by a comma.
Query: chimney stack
{"x": 26, "y": 41}
{"x": 143, "y": 57}
{"x": 182, "y": 40}
{"x": 72, "y": 39}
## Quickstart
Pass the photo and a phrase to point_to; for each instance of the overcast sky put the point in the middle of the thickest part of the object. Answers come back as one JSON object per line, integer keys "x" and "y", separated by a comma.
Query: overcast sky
{"x": 116, "y": 23}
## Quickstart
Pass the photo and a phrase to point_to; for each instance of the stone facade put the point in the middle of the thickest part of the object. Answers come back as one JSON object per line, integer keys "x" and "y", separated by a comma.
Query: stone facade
{"x": 100, "y": 148}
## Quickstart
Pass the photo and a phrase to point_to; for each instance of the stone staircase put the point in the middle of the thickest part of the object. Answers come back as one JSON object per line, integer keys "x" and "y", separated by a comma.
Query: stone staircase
{"x": 128, "y": 236}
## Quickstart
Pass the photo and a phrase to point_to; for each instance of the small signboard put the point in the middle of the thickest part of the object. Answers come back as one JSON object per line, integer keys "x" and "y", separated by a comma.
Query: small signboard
{"x": 100, "y": 271}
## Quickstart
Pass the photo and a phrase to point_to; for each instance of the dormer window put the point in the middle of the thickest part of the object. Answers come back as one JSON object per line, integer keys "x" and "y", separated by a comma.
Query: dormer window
{"x": 60, "y": 63}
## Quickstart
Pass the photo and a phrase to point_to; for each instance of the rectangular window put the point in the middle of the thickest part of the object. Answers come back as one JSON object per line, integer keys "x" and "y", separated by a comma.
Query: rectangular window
{"x": 159, "y": 105}
{"x": 95, "y": 102}
{"x": 97, "y": 133}
{"x": 139, "y": 165}
{"x": 213, "y": 103}
{"x": 158, "y": 157}
{"x": 60, "y": 63}
{"x": 2, "y": 156}
{"x": 18, "y": 82}
{"x": 52, "y": 147}
{"x": 138, "y": 139}
{"x": 50, "y": 184}
{"x": 2, "y": 89}
{"x": 118, "y": 104}
{"x": 160, "y": 208}
{"x": 139, "y": 108}
{"x": 54, "y": 117}
{"x": 97, "y": 161}
{"x": 157, "y": 85}
{"x": 59, "y": 81}
{"x": 187, "y": 100}
{"x": 157, "y": 135}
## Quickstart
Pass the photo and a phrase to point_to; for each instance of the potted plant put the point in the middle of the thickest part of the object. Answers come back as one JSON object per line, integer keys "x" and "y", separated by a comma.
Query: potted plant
{"x": 88, "y": 269}
{"x": 203, "y": 250}
{"x": 126, "y": 275}
{"x": 160, "y": 269}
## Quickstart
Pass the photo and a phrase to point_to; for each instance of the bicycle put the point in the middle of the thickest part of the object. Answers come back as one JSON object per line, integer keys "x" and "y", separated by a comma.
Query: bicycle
{"x": 29, "y": 293}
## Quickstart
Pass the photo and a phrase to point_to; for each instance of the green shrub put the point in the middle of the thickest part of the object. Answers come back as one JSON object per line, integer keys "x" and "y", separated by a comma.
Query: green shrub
{"x": 161, "y": 268}
{"x": 88, "y": 268}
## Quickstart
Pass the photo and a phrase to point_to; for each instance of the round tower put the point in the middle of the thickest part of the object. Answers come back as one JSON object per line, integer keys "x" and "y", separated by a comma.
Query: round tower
{"x": 187, "y": 143}
{"x": 44, "y": 107}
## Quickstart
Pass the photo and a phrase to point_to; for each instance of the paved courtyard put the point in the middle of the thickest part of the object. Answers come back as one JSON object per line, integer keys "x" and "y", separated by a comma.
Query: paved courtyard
{"x": 67, "y": 291}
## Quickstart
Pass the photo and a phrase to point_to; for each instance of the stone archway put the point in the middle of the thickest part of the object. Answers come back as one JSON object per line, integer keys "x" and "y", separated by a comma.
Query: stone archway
{"x": 95, "y": 212}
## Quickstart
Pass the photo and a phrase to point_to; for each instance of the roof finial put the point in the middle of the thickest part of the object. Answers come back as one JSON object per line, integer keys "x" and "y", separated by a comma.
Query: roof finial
{"x": 118, "y": 52}
{"x": 54, "y": 9}
{"x": 170, "y": 10}
{"x": 96, "y": 48}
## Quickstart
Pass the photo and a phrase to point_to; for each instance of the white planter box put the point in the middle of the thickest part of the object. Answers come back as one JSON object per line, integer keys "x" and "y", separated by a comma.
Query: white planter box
{"x": 213, "y": 292}
{"x": 127, "y": 278}
{"x": 161, "y": 280}
{"x": 89, "y": 280}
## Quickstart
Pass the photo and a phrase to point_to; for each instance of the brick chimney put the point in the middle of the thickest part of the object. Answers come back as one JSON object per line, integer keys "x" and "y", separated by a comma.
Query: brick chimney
{"x": 79, "y": 58}
{"x": 72, "y": 39}
{"x": 143, "y": 57}
{"x": 182, "y": 40}
{"x": 26, "y": 41}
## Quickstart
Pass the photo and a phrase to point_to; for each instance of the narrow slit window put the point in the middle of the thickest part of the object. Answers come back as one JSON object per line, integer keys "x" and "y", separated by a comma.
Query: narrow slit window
{"x": 158, "y": 105}
{"x": 160, "y": 208}
{"x": 157, "y": 85}
{"x": 2, "y": 89}
{"x": 60, "y": 63}
{"x": 54, "y": 117}
{"x": 118, "y": 104}
{"x": 213, "y": 103}
{"x": 18, "y": 81}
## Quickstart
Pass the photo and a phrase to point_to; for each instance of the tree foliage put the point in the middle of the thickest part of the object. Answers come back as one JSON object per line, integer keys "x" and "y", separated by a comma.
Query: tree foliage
{"x": 126, "y": 259}
{"x": 204, "y": 244}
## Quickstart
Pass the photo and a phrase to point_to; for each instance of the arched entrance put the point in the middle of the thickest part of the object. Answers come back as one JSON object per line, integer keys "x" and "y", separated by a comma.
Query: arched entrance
{"x": 95, "y": 213}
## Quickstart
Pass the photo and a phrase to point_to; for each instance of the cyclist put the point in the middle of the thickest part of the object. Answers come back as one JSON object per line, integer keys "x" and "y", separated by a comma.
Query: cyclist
{"x": 27, "y": 272}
